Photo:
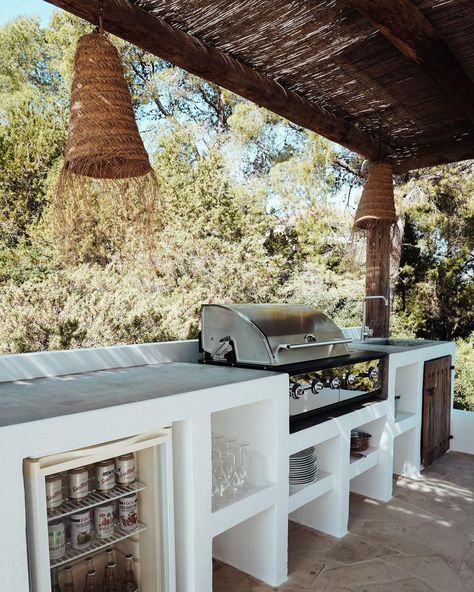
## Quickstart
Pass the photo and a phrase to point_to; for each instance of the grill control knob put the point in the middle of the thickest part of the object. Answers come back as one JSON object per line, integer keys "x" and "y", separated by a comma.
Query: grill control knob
{"x": 373, "y": 373}
{"x": 335, "y": 382}
{"x": 350, "y": 378}
{"x": 296, "y": 391}
{"x": 317, "y": 386}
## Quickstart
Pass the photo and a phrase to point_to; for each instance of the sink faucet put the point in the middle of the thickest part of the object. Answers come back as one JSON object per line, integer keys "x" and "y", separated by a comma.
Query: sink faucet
{"x": 367, "y": 331}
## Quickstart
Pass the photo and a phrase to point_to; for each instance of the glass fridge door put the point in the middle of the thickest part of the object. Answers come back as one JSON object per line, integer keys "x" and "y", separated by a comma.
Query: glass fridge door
{"x": 88, "y": 507}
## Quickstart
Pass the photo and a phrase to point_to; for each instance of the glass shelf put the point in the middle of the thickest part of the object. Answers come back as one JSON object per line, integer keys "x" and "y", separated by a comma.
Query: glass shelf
{"x": 96, "y": 546}
{"x": 95, "y": 498}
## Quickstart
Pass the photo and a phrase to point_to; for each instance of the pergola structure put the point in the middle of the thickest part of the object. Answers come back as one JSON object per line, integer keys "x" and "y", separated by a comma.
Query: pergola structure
{"x": 392, "y": 80}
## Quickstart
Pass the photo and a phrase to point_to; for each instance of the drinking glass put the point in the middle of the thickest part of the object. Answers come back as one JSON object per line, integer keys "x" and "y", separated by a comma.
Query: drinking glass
{"x": 243, "y": 467}
{"x": 230, "y": 445}
{"x": 215, "y": 485}
{"x": 234, "y": 479}
{"x": 222, "y": 482}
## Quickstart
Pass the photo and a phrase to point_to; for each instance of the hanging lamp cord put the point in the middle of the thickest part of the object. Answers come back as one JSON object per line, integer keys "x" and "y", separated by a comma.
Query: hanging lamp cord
{"x": 379, "y": 155}
{"x": 100, "y": 24}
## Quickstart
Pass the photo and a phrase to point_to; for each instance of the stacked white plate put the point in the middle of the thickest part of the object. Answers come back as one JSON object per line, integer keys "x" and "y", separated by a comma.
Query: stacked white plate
{"x": 303, "y": 468}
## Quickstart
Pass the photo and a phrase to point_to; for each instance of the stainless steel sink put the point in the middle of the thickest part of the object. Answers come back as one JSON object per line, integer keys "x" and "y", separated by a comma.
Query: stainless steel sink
{"x": 399, "y": 342}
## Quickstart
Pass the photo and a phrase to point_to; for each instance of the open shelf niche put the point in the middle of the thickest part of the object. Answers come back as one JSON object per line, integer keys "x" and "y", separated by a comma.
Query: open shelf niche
{"x": 370, "y": 474}
{"x": 321, "y": 504}
{"x": 250, "y": 532}
{"x": 366, "y": 459}
{"x": 326, "y": 459}
{"x": 250, "y": 423}
{"x": 406, "y": 456}
{"x": 407, "y": 406}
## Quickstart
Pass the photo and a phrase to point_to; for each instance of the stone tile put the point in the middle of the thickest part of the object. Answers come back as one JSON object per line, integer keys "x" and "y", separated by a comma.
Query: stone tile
{"x": 216, "y": 564}
{"x": 434, "y": 571}
{"x": 367, "y": 572}
{"x": 353, "y": 548}
{"x": 420, "y": 541}
{"x": 228, "y": 579}
{"x": 455, "y": 459}
{"x": 293, "y": 527}
{"x": 310, "y": 541}
{"x": 304, "y": 570}
{"x": 396, "y": 509}
{"x": 446, "y": 541}
{"x": 396, "y": 536}
{"x": 408, "y": 585}
{"x": 285, "y": 588}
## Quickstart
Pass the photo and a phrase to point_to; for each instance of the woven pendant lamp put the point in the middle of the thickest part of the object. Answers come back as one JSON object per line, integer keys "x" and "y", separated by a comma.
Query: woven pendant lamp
{"x": 377, "y": 203}
{"x": 105, "y": 158}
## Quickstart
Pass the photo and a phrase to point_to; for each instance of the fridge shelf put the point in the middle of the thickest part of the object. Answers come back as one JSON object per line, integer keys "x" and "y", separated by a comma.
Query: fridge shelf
{"x": 95, "y": 498}
{"x": 97, "y": 545}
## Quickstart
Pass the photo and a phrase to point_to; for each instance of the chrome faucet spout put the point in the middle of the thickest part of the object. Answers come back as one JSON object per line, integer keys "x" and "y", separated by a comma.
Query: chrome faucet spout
{"x": 365, "y": 330}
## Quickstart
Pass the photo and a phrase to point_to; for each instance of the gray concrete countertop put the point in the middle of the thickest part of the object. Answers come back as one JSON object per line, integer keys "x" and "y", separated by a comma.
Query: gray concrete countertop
{"x": 35, "y": 399}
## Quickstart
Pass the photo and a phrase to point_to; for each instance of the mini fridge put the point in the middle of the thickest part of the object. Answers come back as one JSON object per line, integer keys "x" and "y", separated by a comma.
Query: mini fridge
{"x": 85, "y": 525}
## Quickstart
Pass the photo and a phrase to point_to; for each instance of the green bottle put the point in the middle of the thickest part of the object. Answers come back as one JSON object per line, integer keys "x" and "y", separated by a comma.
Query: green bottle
{"x": 55, "y": 587}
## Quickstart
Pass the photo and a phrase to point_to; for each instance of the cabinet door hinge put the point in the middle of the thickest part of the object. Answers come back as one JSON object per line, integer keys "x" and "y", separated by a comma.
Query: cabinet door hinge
{"x": 451, "y": 437}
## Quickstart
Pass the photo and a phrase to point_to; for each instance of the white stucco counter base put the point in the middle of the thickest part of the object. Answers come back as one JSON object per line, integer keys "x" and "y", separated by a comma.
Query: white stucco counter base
{"x": 61, "y": 401}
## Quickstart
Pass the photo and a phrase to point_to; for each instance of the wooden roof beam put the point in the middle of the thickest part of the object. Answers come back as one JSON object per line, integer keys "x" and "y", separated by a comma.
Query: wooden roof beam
{"x": 403, "y": 24}
{"x": 158, "y": 37}
{"x": 434, "y": 155}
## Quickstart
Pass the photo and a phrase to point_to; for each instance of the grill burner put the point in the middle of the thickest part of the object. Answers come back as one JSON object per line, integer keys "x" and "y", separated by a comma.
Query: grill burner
{"x": 300, "y": 341}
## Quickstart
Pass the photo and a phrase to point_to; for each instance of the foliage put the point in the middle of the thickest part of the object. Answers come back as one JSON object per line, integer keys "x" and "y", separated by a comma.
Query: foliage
{"x": 435, "y": 288}
{"x": 464, "y": 375}
{"x": 251, "y": 210}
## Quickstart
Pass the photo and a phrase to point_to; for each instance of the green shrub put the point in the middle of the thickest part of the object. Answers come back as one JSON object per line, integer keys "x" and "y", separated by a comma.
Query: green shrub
{"x": 464, "y": 375}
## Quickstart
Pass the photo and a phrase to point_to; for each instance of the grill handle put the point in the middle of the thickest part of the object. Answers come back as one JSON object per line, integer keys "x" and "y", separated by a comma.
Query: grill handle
{"x": 315, "y": 344}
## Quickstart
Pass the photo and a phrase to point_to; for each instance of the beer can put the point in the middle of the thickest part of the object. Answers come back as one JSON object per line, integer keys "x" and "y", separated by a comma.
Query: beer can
{"x": 126, "y": 471}
{"x": 105, "y": 475}
{"x": 115, "y": 509}
{"x": 57, "y": 540}
{"x": 78, "y": 483}
{"x": 80, "y": 530}
{"x": 91, "y": 470}
{"x": 128, "y": 512}
{"x": 104, "y": 521}
{"x": 54, "y": 491}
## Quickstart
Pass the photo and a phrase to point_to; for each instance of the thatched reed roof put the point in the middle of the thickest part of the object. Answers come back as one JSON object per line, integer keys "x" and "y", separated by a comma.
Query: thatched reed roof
{"x": 372, "y": 75}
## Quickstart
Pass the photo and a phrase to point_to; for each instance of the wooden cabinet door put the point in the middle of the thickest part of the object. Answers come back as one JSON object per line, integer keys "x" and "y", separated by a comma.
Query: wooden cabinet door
{"x": 436, "y": 409}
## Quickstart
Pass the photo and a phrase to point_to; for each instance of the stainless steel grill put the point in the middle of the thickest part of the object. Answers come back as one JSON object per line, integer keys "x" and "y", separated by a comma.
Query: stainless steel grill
{"x": 269, "y": 334}
{"x": 302, "y": 342}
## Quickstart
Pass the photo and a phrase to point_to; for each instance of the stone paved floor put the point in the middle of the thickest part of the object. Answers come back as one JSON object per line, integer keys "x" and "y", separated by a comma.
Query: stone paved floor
{"x": 420, "y": 541}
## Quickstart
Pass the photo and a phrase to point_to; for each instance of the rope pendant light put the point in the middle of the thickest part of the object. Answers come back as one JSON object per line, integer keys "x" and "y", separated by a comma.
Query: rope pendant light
{"x": 377, "y": 203}
{"x": 105, "y": 158}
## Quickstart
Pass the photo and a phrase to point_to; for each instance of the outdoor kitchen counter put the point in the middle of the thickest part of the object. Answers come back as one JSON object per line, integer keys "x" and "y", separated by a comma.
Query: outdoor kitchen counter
{"x": 41, "y": 398}
{"x": 54, "y": 402}
{"x": 59, "y": 401}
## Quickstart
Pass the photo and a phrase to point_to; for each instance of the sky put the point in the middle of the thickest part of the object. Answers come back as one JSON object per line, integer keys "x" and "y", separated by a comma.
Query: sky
{"x": 10, "y": 9}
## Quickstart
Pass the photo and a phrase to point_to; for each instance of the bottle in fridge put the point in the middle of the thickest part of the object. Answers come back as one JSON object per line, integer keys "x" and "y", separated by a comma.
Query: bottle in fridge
{"x": 124, "y": 521}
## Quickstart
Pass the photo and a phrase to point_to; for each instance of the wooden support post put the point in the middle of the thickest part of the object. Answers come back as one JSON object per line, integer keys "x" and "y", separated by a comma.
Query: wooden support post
{"x": 376, "y": 216}
{"x": 377, "y": 278}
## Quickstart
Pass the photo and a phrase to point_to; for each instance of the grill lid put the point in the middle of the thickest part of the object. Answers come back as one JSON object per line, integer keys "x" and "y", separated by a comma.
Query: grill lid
{"x": 269, "y": 334}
